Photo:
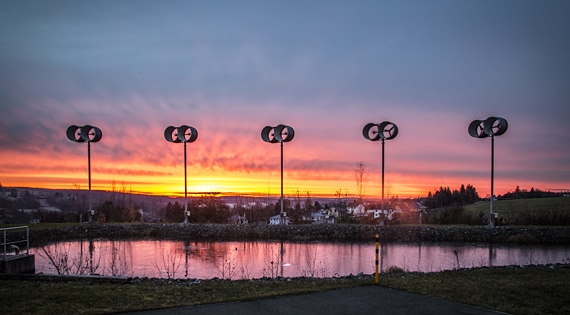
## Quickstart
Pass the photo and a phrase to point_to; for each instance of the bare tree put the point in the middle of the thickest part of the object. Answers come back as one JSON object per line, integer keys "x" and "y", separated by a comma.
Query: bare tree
{"x": 309, "y": 202}
{"x": 340, "y": 195}
{"x": 361, "y": 179}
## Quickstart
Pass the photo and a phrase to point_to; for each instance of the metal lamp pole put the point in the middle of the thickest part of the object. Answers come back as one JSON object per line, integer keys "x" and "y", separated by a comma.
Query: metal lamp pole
{"x": 490, "y": 127}
{"x": 491, "y": 212}
{"x": 382, "y": 174}
{"x": 182, "y": 134}
{"x": 185, "y": 188}
{"x": 89, "y": 176}
{"x": 280, "y": 133}
{"x": 382, "y": 131}
{"x": 281, "y": 144}
{"x": 87, "y": 134}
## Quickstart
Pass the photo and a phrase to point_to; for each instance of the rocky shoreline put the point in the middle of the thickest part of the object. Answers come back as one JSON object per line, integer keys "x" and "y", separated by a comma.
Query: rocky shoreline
{"x": 299, "y": 233}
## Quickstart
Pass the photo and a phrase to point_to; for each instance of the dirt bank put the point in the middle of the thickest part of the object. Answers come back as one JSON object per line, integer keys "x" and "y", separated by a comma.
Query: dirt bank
{"x": 329, "y": 233}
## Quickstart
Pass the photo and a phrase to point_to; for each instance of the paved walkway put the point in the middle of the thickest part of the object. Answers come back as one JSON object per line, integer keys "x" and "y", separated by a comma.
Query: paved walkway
{"x": 370, "y": 299}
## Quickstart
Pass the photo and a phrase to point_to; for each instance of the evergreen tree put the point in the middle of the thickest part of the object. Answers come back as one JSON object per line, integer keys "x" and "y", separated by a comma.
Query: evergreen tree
{"x": 445, "y": 197}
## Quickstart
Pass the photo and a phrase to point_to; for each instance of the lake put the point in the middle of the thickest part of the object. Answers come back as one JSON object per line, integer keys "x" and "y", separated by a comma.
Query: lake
{"x": 249, "y": 260}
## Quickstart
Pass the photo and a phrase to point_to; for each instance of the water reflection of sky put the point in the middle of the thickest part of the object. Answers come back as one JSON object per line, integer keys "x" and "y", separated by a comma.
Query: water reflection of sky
{"x": 246, "y": 260}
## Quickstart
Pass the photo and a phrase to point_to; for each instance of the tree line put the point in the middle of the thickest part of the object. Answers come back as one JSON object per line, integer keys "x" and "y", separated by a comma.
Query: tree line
{"x": 519, "y": 193}
{"x": 445, "y": 197}
{"x": 206, "y": 209}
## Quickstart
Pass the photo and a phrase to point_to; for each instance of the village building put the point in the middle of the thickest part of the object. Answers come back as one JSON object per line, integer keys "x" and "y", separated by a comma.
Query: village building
{"x": 357, "y": 211}
{"x": 278, "y": 219}
{"x": 238, "y": 219}
{"x": 317, "y": 218}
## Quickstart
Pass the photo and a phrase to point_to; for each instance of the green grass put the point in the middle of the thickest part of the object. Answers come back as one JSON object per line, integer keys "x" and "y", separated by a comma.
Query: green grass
{"x": 515, "y": 207}
{"x": 525, "y": 291}
{"x": 85, "y": 297}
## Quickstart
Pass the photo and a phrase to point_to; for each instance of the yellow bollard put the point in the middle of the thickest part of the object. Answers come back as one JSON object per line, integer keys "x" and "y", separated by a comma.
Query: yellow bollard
{"x": 376, "y": 280}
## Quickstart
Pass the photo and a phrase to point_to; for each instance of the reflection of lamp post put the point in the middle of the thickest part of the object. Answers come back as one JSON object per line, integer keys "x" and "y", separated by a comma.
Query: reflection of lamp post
{"x": 281, "y": 133}
{"x": 490, "y": 127}
{"x": 383, "y": 131}
{"x": 176, "y": 135}
{"x": 186, "y": 251}
{"x": 87, "y": 134}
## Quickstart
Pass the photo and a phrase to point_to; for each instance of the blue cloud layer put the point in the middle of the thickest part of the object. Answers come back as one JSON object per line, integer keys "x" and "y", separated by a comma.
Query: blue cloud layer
{"x": 327, "y": 67}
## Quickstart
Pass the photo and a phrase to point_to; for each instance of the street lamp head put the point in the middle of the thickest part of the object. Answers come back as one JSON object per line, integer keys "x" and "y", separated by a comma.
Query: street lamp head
{"x": 388, "y": 130}
{"x": 385, "y": 130}
{"x": 183, "y": 133}
{"x": 370, "y": 132}
{"x": 492, "y": 126}
{"x": 268, "y": 135}
{"x": 495, "y": 126}
{"x": 85, "y": 133}
{"x": 171, "y": 134}
{"x": 91, "y": 133}
{"x": 476, "y": 129}
{"x": 280, "y": 133}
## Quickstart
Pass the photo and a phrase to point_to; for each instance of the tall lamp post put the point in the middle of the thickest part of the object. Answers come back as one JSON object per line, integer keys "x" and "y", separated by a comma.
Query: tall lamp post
{"x": 87, "y": 134}
{"x": 490, "y": 127}
{"x": 182, "y": 134}
{"x": 280, "y": 133}
{"x": 382, "y": 131}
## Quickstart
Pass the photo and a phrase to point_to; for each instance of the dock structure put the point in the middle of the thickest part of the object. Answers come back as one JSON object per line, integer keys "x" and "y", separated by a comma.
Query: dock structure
{"x": 14, "y": 260}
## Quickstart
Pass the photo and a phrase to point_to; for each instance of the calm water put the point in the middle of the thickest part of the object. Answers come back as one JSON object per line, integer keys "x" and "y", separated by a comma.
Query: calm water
{"x": 248, "y": 260}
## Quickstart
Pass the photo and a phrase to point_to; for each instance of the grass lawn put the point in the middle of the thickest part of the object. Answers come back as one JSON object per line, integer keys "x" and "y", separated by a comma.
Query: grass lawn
{"x": 515, "y": 207}
{"x": 525, "y": 291}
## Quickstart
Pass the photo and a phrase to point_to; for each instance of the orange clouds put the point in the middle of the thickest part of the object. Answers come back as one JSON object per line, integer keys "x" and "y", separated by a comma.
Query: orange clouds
{"x": 229, "y": 155}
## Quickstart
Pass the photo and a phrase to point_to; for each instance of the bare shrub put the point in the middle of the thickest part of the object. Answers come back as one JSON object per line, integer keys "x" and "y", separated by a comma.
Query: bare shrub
{"x": 119, "y": 264}
{"x": 394, "y": 269}
{"x": 245, "y": 272}
{"x": 272, "y": 261}
{"x": 58, "y": 257}
{"x": 227, "y": 268}
{"x": 310, "y": 264}
{"x": 324, "y": 270}
{"x": 314, "y": 268}
{"x": 170, "y": 264}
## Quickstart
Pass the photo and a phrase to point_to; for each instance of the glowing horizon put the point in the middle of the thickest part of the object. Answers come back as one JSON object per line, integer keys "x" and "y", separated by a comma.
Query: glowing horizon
{"x": 236, "y": 183}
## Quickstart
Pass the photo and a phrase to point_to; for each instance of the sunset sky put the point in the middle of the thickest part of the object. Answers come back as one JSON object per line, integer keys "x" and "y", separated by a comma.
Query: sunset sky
{"x": 326, "y": 68}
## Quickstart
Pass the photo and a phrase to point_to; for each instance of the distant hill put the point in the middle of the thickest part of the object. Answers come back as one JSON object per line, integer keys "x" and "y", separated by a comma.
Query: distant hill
{"x": 549, "y": 211}
{"x": 517, "y": 206}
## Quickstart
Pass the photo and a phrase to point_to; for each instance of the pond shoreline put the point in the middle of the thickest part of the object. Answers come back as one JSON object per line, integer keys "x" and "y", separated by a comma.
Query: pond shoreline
{"x": 323, "y": 232}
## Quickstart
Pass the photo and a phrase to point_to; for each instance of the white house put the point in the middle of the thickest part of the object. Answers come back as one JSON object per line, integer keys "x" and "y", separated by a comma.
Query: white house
{"x": 377, "y": 213}
{"x": 278, "y": 219}
{"x": 374, "y": 212}
{"x": 357, "y": 211}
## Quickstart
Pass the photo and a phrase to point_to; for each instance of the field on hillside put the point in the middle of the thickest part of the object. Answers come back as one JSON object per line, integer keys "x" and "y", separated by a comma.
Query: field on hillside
{"x": 517, "y": 207}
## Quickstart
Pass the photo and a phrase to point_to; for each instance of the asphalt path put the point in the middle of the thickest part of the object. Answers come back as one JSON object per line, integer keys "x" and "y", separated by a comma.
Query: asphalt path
{"x": 370, "y": 299}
